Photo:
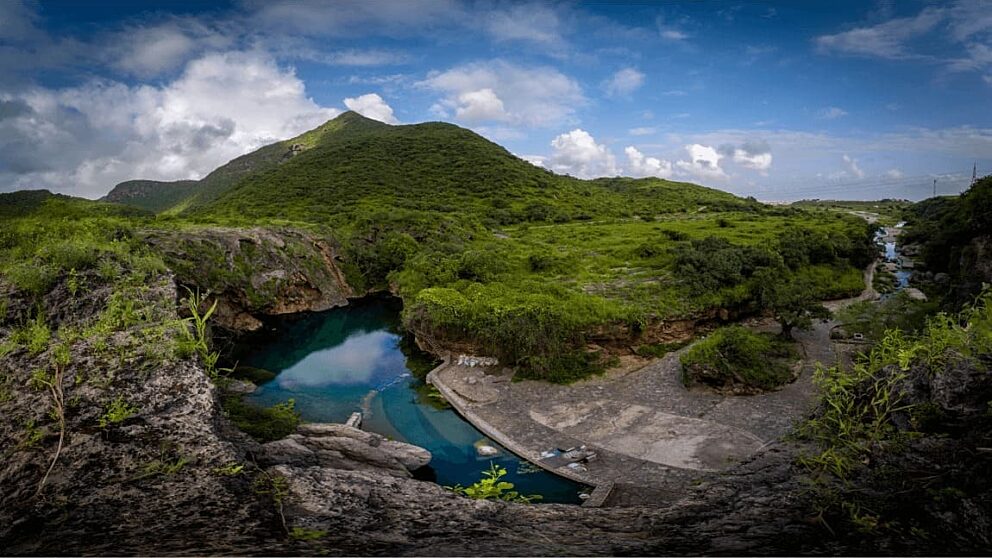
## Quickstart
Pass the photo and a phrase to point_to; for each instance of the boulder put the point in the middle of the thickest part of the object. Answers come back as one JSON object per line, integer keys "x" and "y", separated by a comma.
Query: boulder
{"x": 339, "y": 446}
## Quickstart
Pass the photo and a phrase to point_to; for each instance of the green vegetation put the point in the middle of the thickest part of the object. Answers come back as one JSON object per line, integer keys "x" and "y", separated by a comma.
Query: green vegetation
{"x": 197, "y": 341}
{"x": 117, "y": 411}
{"x": 874, "y": 319}
{"x": 490, "y": 487}
{"x": 888, "y": 211}
{"x": 151, "y": 195}
{"x": 953, "y": 233}
{"x": 483, "y": 247}
{"x": 166, "y": 467}
{"x": 735, "y": 356}
{"x": 263, "y": 423}
{"x": 304, "y": 534}
{"x": 856, "y": 430}
{"x": 230, "y": 470}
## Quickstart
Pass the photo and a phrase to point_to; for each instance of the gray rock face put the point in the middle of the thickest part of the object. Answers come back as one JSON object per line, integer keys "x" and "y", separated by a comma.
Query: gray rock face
{"x": 338, "y": 446}
{"x": 256, "y": 272}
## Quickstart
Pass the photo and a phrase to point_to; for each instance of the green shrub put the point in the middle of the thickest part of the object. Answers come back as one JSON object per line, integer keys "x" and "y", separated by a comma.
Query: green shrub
{"x": 34, "y": 336}
{"x": 33, "y": 277}
{"x": 263, "y": 423}
{"x": 736, "y": 356}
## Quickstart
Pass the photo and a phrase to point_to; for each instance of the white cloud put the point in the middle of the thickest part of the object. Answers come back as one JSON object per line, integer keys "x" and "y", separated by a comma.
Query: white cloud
{"x": 530, "y": 96}
{"x": 535, "y": 23}
{"x": 624, "y": 82}
{"x": 760, "y": 162}
{"x": 350, "y": 57}
{"x": 852, "y": 168}
{"x": 704, "y": 162}
{"x": 751, "y": 154}
{"x": 478, "y": 106}
{"x": 577, "y": 153}
{"x": 894, "y": 173}
{"x": 349, "y": 18}
{"x": 884, "y": 40}
{"x": 642, "y": 131}
{"x": 85, "y": 139}
{"x": 150, "y": 51}
{"x": 639, "y": 165}
{"x": 372, "y": 106}
{"x": 832, "y": 113}
{"x": 674, "y": 35}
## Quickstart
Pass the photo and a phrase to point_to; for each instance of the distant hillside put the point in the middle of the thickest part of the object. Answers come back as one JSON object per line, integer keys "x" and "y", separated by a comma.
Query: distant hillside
{"x": 44, "y": 203}
{"x": 152, "y": 195}
{"x": 352, "y": 165}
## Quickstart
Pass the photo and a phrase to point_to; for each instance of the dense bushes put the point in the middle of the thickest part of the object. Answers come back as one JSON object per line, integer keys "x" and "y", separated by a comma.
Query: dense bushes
{"x": 734, "y": 357}
{"x": 712, "y": 263}
{"x": 542, "y": 332}
{"x": 954, "y": 235}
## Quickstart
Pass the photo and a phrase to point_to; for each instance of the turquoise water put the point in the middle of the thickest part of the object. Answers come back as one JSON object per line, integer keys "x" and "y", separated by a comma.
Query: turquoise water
{"x": 353, "y": 359}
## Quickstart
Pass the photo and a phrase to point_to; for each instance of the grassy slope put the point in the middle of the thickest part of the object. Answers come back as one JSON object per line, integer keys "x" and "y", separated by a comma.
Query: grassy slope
{"x": 484, "y": 245}
{"x": 889, "y": 211}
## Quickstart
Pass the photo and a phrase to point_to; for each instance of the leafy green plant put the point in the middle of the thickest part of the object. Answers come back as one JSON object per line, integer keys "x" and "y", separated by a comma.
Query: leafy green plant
{"x": 117, "y": 411}
{"x": 491, "y": 487}
{"x": 162, "y": 467}
{"x": 197, "y": 340}
{"x": 35, "y": 336}
{"x": 32, "y": 435}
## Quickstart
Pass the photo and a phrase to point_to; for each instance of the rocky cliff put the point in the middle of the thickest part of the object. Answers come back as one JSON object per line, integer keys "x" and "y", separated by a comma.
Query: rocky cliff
{"x": 256, "y": 272}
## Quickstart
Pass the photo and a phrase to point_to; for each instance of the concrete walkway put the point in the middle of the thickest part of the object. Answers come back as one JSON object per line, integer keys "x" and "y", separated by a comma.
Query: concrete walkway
{"x": 652, "y": 436}
{"x": 647, "y": 429}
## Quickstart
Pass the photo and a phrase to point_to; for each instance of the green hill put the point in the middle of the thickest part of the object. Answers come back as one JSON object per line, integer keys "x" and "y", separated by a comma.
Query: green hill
{"x": 352, "y": 165}
{"x": 44, "y": 204}
{"x": 152, "y": 195}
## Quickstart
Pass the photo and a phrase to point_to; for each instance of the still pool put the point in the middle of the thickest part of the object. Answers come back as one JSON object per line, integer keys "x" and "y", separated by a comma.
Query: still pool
{"x": 354, "y": 359}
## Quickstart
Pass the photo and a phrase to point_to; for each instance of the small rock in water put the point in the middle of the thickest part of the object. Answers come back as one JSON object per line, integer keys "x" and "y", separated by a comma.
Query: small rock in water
{"x": 486, "y": 451}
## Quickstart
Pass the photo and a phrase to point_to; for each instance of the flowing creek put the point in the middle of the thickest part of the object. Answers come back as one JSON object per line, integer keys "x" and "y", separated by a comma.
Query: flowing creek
{"x": 888, "y": 237}
{"x": 353, "y": 358}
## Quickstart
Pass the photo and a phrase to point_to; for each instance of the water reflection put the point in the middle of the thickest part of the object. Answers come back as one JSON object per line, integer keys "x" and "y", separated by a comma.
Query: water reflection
{"x": 360, "y": 359}
{"x": 350, "y": 359}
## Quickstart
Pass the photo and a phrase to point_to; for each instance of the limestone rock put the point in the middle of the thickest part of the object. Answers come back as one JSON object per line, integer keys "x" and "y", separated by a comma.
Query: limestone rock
{"x": 340, "y": 446}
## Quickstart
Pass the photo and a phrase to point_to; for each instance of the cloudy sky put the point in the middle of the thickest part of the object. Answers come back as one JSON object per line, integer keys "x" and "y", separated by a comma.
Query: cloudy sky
{"x": 781, "y": 100}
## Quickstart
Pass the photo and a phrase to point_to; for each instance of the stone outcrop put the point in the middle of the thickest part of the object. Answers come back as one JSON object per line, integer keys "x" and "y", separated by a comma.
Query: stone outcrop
{"x": 253, "y": 273}
{"x": 338, "y": 446}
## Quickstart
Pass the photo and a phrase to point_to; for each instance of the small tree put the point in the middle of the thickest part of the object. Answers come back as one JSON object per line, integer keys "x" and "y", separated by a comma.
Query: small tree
{"x": 793, "y": 303}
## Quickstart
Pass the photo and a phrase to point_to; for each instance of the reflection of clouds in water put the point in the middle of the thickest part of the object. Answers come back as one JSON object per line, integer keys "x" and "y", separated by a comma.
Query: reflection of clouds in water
{"x": 355, "y": 361}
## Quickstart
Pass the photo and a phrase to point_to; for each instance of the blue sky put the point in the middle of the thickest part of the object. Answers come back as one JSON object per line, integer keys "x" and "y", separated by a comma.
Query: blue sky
{"x": 781, "y": 100}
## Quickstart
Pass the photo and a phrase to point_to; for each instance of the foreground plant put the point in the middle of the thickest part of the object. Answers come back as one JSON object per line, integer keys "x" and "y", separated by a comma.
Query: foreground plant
{"x": 491, "y": 487}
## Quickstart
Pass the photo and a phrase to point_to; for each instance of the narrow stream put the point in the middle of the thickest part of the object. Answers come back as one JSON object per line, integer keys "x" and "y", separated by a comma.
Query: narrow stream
{"x": 353, "y": 359}
{"x": 892, "y": 255}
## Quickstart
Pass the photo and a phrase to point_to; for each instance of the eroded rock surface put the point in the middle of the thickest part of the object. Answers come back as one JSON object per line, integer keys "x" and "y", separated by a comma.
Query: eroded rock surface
{"x": 338, "y": 446}
{"x": 257, "y": 272}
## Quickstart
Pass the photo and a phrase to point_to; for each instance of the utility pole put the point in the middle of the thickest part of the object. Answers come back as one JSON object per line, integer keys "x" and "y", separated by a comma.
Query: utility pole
{"x": 974, "y": 174}
{"x": 935, "y": 187}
